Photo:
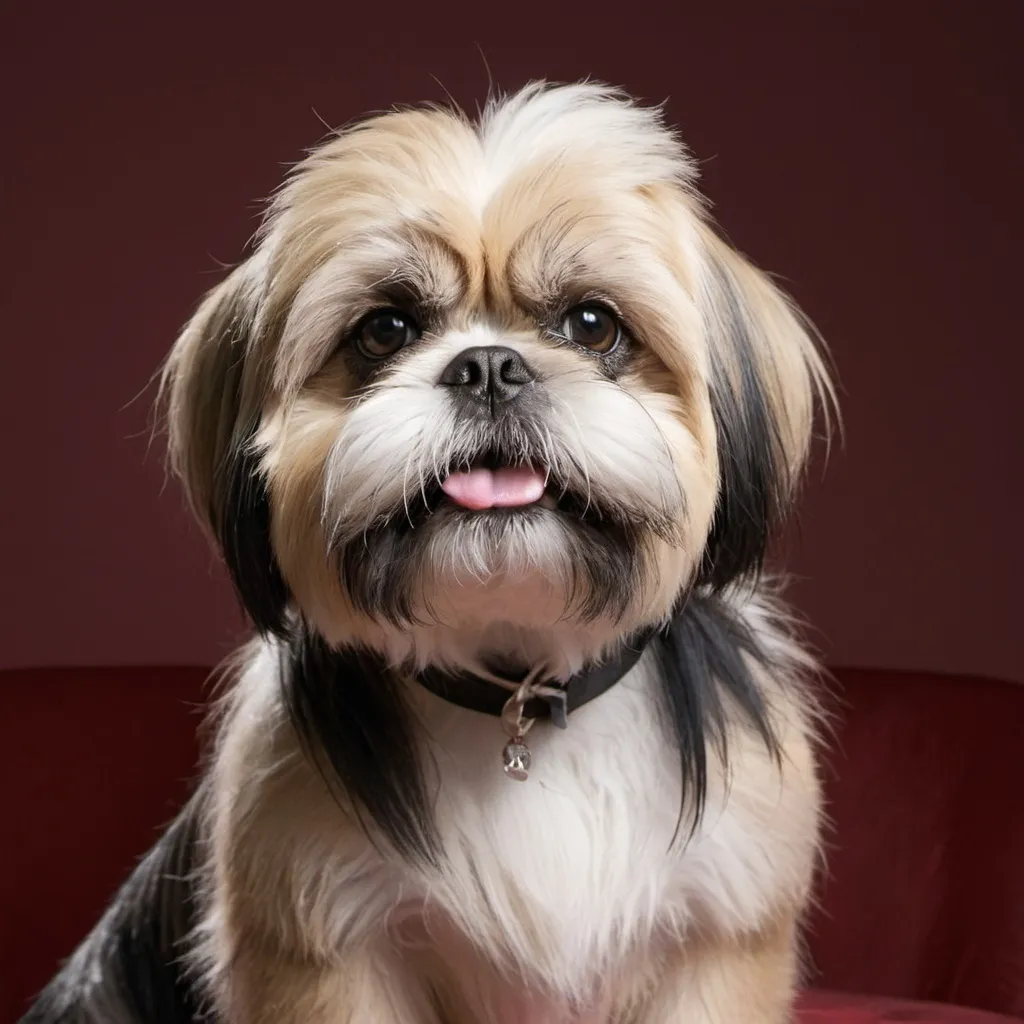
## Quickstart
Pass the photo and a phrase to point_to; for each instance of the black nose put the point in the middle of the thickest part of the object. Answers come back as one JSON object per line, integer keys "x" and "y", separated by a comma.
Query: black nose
{"x": 489, "y": 375}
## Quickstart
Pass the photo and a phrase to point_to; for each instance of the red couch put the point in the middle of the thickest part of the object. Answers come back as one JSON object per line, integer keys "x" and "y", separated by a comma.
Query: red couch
{"x": 921, "y": 905}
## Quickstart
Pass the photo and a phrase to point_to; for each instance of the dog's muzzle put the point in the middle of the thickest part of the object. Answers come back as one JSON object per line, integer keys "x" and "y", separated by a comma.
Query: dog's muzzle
{"x": 487, "y": 383}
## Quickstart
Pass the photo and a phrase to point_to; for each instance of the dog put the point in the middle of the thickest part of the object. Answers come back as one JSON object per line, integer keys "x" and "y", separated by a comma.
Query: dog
{"x": 492, "y": 430}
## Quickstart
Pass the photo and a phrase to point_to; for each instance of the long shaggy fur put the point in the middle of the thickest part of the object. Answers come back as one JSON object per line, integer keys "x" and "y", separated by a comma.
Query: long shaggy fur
{"x": 355, "y": 853}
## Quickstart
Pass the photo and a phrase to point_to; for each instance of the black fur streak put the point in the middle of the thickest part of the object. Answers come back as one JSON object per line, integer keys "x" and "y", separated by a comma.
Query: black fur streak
{"x": 753, "y": 476}
{"x": 608, "y": 566}
{"x": 351, "y": 719}
{"x": 702, "y": 657}
{"x": 136, "y": 946}
{"x": 244, "y": 532}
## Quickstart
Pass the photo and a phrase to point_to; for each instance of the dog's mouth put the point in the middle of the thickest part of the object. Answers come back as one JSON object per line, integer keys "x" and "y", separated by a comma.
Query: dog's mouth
{"x": 494, "y": 485}
{"x": 487, "y": 484}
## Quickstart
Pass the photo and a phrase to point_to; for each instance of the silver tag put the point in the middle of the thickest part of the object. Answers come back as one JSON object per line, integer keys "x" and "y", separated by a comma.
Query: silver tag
{"x": 516, "y": 758}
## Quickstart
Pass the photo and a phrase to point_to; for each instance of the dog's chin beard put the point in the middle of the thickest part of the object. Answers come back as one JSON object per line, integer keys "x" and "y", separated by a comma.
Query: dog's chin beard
{"x": 590, "y": 552}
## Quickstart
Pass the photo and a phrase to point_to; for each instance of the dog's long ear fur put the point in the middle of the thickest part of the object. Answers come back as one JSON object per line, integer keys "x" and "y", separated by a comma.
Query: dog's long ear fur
{"x": 768, "y": 378}
{"x": 212, "y": 395}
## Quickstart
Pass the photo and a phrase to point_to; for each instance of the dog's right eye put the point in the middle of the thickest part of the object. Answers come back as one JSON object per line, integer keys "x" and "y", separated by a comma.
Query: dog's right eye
{"x": 384, "y": 332}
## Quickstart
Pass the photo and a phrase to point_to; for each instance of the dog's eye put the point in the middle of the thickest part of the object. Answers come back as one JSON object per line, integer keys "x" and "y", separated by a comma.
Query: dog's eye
{"x": 384, "y": 332}
{"x": 593, "y": 327}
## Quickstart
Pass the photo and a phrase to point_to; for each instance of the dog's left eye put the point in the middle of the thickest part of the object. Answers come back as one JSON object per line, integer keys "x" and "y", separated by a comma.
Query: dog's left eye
{"x": 384, "y": 332}
{"x": 594, "y": 327}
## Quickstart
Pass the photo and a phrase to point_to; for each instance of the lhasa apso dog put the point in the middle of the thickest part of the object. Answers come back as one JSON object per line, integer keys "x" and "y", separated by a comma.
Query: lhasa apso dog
{"x": 492, "y": 430}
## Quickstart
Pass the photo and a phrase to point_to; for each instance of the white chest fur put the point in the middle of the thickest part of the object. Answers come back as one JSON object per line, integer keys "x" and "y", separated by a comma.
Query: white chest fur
{"x": 588, "y": 860}
{"x": 569, "y": 868}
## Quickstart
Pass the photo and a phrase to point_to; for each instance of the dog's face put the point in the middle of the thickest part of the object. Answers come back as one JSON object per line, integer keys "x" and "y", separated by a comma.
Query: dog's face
{"x": 495, "y": 380}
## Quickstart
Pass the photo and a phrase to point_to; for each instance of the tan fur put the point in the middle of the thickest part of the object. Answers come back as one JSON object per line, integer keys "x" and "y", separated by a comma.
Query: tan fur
{"x": 752, "y": 980}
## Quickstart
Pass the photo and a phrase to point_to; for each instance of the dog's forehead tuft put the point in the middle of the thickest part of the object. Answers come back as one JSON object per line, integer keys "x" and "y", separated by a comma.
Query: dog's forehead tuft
{"x": 543, "y": 126}
{"x": 435, "y": 163}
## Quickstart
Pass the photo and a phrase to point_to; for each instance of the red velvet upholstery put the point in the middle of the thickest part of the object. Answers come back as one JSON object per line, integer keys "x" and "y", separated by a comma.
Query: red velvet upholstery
{"x": 842, "y": 1008}
{"x": 924, "y": 893}
{"x": 924, "y": 898}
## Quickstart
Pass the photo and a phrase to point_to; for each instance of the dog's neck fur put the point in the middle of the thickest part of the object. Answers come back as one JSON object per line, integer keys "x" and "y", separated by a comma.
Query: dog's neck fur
{"x": 563, "y": 649}
{"x": 351, "y": 711}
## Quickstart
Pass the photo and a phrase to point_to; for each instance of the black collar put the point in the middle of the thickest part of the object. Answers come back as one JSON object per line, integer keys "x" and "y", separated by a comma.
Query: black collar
{"x": 475, "y": 694}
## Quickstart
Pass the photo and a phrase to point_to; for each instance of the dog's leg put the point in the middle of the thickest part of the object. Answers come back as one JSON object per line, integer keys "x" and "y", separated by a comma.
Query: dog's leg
{"x": 372, "y": 987}
{"x": 749, "y": 981}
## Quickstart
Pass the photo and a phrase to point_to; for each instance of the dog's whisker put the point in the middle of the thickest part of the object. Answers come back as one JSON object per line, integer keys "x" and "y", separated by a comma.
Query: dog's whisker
{"x": 405, "y": 487}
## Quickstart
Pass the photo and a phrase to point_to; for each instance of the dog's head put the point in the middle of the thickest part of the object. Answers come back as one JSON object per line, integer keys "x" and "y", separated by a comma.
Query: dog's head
{"x": 491, "y": 384}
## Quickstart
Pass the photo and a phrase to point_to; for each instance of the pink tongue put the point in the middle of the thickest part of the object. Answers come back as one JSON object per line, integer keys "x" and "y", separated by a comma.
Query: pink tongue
{"x": 495, "y": 488}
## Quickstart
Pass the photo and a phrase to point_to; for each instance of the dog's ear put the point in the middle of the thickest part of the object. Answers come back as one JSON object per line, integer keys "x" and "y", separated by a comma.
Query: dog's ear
{"x": 768, "y": 378}
{"x": 212, "y": 398}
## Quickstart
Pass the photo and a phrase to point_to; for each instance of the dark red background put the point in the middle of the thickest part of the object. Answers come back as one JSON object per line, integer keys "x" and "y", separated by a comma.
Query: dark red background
{"x": 870, "y": 153}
